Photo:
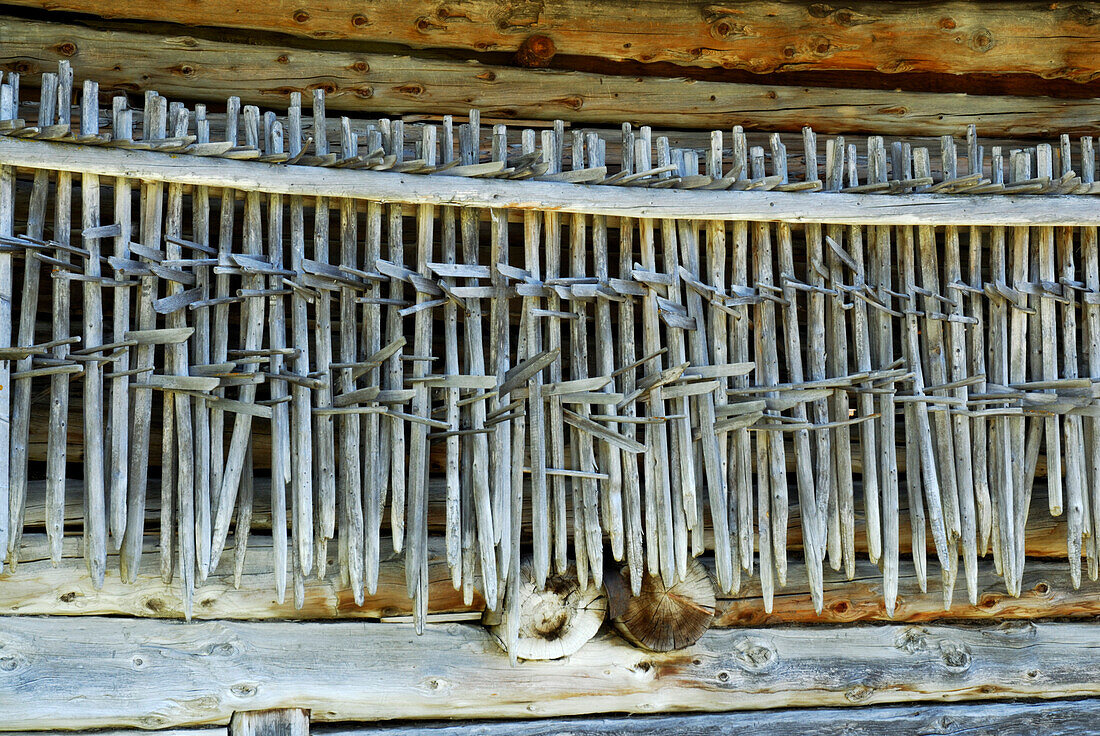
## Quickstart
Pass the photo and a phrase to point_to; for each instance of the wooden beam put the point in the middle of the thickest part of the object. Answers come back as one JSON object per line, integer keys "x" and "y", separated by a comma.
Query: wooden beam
{"x": 1047, "y": 592}
{"x": 1049, "y": 40}
{"x": 36, "y": 587}
{"x": 951, "y": 719}
{"x": 828, "y": 207}
{"x": 110, "y": 672}
{"x": 196, "y": 68}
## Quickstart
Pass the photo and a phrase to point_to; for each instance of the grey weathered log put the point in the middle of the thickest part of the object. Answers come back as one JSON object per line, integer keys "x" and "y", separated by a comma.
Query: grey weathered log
{"x": 275, "y": 665}
{"x": 1071, "y": 717}
{"x": 840, "y": 208}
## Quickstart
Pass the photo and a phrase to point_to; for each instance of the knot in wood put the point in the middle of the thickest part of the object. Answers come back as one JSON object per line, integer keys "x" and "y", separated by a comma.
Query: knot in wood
{"x": 755, "y": 654}
{"x": 912, "y": 639}
{"x": 536, "y": 51}
{"x": 981, "y": 40}
{"x": 955, "y": 655}
{"x": 859, "y": 693}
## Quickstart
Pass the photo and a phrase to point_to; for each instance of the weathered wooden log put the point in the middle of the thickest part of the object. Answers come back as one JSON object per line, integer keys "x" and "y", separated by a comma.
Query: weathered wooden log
{"x": 760, "y": 37}
{"x": 38, "y": 588}
{"x": 279, "y": 665}
{"x": 843, "y": 208}
{"x": 367, "y": 81}
{"x": 948, "y": 719}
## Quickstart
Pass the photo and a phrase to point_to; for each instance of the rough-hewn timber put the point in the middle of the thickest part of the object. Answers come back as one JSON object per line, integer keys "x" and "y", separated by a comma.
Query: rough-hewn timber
{"x": 195, "y": 68}
{"x": 1069, "y": 717}
{"x": 1052, "y": 41}
{"x": 156, "y": 674}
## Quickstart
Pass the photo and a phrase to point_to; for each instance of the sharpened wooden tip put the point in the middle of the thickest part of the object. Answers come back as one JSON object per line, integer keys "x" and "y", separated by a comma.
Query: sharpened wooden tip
{"x": 555, "y": 621}
{"x": 666, "y": 617}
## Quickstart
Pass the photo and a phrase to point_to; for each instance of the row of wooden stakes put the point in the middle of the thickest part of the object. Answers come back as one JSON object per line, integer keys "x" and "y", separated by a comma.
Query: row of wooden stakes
{"x": 644, "y": 384}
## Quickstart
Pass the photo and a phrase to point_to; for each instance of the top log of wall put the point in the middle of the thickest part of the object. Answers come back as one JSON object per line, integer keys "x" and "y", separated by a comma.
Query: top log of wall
{"x": 265, "y": 69}
{"x": 1052, "y": 40}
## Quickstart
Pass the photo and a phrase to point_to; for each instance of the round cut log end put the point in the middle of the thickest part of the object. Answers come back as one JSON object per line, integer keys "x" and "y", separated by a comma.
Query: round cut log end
{"x": 662, "y": 618}
{"x": 556, "y": 621}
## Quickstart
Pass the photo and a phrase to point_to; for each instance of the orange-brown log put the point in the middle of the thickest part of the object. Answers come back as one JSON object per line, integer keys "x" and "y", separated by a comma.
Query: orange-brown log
{"x": 194, "y": 68}
{"x": 1052, "y": 40}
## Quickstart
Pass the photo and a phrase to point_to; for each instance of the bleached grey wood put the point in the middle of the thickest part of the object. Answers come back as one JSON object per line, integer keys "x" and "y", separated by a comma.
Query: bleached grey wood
{"x": 658, "y": 466}
{"x": 586, "y": 490}
{"x": 219, "y": 339}
{"x": 394, "y": 372}
{"x": 301, "y": 444}
{"x": 715, "y": 474}
{"x": 178, "y": 363}
{"x": 56, "y": 450}
{"x": 273, "y": 665}
{"x": 838, "y": 208}
{"x": 324, "y": 441}
{"x": 7, "y": 229}
{"x": 154, "y": 124}
{"x": 95, "y": 527}
{"x": 201, "y": 347}
{"x": 922, "y": 443}
{"x": 681, "y": 460}
{"x": 1048, "y": 334}
{"x": 807, "y": 497}
{"x": 349, "y": 474}
{"x": 416, "y": 546}
{"x": 956, "y": 345}
{"x": 837, "y": 365}
{"x": 253, "y": 319}
{"x": 479, "y": 480}
{"x": 1071, "y": 717}
{"x": 610, "y": 457}
{"x": 21, "y": 393}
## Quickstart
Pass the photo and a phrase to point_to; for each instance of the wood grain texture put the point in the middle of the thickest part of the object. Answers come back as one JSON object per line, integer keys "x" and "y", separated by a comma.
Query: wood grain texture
{"x": 1049, "y": 40}
{"x": 1072, "y": 718}
{"x": 36, "y": 587}
{"x": 666, "y": 204}
{"x": 1047, "y": 592}
{"x": 195, "y": 68}
{"x": 159, "y": 674}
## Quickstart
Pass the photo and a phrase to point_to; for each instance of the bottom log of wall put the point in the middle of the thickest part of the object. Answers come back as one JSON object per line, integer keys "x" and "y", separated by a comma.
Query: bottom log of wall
{"x": 91, "y": 672}
{"x": 1066, "y": 718}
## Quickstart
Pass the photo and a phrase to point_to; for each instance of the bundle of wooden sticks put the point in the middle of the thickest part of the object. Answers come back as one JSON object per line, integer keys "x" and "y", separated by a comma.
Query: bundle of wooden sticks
{"x": 635, "y": 354}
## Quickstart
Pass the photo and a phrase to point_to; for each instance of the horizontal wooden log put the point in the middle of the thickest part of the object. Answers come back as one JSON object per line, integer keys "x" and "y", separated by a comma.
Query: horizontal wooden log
{"x": 1046, "y": 592}
{"x": 196, "y": 68}
{"x": 159, "y": 674}
{"x": 829, "y": 207}
{"x": 947, "y": 719}
{"x": 1050, "y": 40}
{"x": 206, "y": 731}
{"x": 36, "y": 587}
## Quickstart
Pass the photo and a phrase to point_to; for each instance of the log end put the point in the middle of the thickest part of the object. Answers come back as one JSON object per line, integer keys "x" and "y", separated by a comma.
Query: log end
{"x": 662, "y": 618}
{"x": 555, "y": 621}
